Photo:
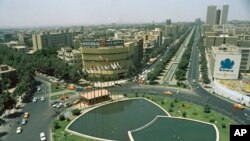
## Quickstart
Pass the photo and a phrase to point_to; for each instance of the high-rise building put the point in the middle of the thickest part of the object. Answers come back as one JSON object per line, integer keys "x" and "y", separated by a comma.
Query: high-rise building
{"x": 224, "y": 14}
{"x": 168, "y": 22}
{"x": 218, "y": 17}
{"x": 211, "y": 13}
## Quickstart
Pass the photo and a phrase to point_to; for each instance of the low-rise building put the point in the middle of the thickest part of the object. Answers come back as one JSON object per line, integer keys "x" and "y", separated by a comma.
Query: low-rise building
{"x": 7, "y": 75}
{"x": 69, "y": 55}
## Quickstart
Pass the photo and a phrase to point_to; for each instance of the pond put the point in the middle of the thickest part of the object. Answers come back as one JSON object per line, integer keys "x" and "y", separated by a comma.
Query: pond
{"x": 114, "y": 120}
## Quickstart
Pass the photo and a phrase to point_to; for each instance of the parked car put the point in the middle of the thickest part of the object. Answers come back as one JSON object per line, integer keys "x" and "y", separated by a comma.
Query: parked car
{"x": 38, "y": 88}
{"x": 42, "y": 136}
{"x": 42, "y": 98}
{"x": 34, "y": 100}
{"x": 18, "y": 130}
{"x": 24, "y": 121}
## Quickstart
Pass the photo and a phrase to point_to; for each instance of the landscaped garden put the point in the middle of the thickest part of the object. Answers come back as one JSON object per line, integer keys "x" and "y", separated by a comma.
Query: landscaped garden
{"x": 175, "y": 107}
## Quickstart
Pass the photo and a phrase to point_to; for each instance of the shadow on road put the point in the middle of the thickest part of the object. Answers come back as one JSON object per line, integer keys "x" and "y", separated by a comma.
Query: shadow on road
{"x": 3, "y": 134}
{"x": 14, "y": 115}
{"x": 2, "y": 121}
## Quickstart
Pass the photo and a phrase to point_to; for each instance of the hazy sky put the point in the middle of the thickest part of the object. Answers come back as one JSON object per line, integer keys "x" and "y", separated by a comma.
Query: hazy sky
{"x": 19, "y": 13}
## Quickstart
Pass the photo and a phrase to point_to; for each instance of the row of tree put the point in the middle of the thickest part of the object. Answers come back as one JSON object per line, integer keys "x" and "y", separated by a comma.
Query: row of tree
{"x": 203, "y": 62}
{"x": 26, "y": 65}
{"x": 180, "y": 74}
{"x": 161, "y": 65}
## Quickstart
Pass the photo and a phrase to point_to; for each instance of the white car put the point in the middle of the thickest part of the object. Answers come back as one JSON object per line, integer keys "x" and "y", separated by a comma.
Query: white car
{"x": 42, "y": 98}
{"x": 23, "y": 121}
{"x": 42, "y": 136}
{"x": 34, "y": 100}
{"x": 18, "y": 130}
{"x": 38, "y": 88}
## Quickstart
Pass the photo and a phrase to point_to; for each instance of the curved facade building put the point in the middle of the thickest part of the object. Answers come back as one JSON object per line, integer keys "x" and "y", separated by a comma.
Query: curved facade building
{"x": 108, "y": 57}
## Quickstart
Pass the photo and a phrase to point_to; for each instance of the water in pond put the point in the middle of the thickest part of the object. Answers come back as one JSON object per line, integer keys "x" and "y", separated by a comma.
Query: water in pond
{"x": 113, "y": 121}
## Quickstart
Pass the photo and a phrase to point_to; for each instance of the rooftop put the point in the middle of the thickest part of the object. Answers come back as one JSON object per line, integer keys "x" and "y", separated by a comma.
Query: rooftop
{"x": 94, "y": 94}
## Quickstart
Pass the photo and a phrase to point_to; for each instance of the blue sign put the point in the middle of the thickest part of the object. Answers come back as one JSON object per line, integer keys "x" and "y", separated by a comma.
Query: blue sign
{"x": 226, "y": 65}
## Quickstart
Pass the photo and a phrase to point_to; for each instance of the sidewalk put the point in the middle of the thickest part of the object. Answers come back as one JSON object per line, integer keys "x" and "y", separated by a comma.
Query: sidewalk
{"x": 9, "y": 122}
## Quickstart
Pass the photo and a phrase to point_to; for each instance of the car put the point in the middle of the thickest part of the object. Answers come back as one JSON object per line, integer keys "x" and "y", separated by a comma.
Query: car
{"x": 26, "y": 115}
{"x": 76, "y": 102}
{"x": 239, "y": 106}
{"x": 19, "y": 130}
{"x": 24, "y": 121}
{"x": 59, "y": 105}
{"x": 64, "y": 97}
{"x": 194, "y": 81}
{"x": 42, "y": 136}
{"x": 168, "y": 92}
{"x": 42, "y": 98}
{"x": 34, "y": 100}
{"x": 38, "y": 88}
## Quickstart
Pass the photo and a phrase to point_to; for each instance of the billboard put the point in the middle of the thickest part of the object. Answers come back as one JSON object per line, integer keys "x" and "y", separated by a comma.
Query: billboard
{"x": 227, "y": 66}
{"x": 102, "y": 43}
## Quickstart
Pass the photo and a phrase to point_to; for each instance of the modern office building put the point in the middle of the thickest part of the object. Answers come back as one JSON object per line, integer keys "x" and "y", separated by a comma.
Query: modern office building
{"x": 219, "y": 40}
{"x": 108, "y": 57}
{"x": 225, "y": 62}
{"x": 168, "y": 22}
{"x": 244, "y": 48}
{"x": 224, "y": 14}
{"x": 211, "y": 15}
{"x": 172, "y": 31}
{"x": 69, "y": 55}
{"x": 25, "y": 39}
{"x": 51, "y": 39}
{"x": 218, "y": 17}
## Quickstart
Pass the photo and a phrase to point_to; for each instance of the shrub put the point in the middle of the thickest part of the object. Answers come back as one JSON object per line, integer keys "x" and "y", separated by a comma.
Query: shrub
{"x": 175, "y": 100}
{"x": 207, "y": 109}
{"x": 195, "y": 113}
{"x": 172, "y": 104}
{"x": 62, "y": 117}
{"x": 212, "y": 120}
{"x": 56, "y": 125}
{"x": 171, "y": 110}
{"x": 76, "y": 112}
{"x": 125, "y": 95}
{"x": 222, "y": 118}
{"x": 184, "y": 114}
{"x": 162, "y": 102}
{"x": 223, "y": 125}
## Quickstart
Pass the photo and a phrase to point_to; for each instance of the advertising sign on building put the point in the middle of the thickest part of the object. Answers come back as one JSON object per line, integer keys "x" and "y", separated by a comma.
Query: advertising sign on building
{"x": 102, "y": 43}
{"x": 227, "y": 66}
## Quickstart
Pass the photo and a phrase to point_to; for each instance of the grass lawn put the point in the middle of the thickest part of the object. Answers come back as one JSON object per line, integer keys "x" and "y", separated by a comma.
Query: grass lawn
{"x": 60, "y": 135}
{"x": 194, "y": 111}
{"x": 54, "y": 97}
{"x": 55, "y": 88}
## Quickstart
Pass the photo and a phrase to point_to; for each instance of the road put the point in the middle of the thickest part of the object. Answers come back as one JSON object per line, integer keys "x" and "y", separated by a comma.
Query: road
{"x": 175, "y": 62}
{"x": 39, "y": 120}
{"x": 217, "y": 103}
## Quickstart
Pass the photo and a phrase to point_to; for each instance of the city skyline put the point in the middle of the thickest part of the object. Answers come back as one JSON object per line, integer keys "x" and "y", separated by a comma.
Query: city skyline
{"x": 29, "y": 13}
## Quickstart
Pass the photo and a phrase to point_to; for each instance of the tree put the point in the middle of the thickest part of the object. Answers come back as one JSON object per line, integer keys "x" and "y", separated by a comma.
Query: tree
{"x": 207, "y": 109}
{"x": 184, "y": 114}
{"x": 76, "y": 112}
{"x": 62, "y": 117}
